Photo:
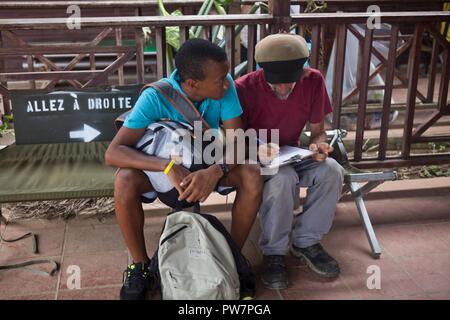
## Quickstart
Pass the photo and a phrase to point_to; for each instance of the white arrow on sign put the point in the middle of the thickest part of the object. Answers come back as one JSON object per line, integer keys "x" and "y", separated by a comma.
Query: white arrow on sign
{"x": 87, "y": 134}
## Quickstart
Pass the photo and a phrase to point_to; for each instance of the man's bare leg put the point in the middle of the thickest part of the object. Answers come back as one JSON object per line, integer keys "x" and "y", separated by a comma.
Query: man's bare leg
{"x": 129, "y": 184}
{"x": 249, "y": 187}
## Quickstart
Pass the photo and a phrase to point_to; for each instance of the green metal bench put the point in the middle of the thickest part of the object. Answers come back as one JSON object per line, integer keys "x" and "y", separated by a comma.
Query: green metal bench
{"x": 52, "y": 172}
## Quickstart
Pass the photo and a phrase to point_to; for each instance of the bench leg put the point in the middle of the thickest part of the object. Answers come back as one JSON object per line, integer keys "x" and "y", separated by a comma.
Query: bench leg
{"x": 374, "y": 245}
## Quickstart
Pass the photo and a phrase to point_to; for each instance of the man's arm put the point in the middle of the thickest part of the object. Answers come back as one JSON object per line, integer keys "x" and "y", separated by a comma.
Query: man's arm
{"x": 122, "y": 154}
{"x": 318, "y": 133}
{"x": 318, "y": 141}
{"x": 199, "y": 185}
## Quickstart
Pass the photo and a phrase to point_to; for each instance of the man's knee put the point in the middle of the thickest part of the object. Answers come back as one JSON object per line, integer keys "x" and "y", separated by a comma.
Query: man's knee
{"x": 285, "y": 178}
{"x": 331, "y": 170}
{"x": 250, "y": 179}
{"x": 130, "y": 181}
{"x": 281, "y": 186}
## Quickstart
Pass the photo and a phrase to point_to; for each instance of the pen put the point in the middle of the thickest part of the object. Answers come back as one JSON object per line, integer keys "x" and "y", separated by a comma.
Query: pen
{"x": 334, "y": 139}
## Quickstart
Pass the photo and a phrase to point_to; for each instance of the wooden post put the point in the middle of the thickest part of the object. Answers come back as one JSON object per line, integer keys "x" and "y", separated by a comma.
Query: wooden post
{"x": 5, "y": 98}
{"x": 389, "y": 83}
{"x": 432, "y": 71}
{"x": 251, "y": 48}
{"x": 161, "y": 63}
{"x": 119, "y": 44}
{"x": 413, "y": 77}
{"x": 280, "y": 9}
{"x": 363, "y": 86}
{"x": 184, "y": 35}
{"x": 338, "y": 74}
{"x": 140, "y": 69}
{"x": 230, "y": 47}
{"x": 315, "y": 50}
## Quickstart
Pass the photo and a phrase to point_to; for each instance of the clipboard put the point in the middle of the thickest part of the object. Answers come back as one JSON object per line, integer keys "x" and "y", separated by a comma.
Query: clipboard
{"x": 288, "y": 155}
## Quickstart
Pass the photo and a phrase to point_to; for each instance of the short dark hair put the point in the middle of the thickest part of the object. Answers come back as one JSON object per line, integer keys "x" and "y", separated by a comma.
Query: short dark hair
{"x": 192, "y": 55}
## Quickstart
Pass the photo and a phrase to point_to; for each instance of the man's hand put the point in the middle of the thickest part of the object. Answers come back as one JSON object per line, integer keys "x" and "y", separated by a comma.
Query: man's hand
{"x": 321, "y": 149}
{"x": 176, "y": 176}
{"x": 267, "y": 152}
{"x": 199, "y": 185}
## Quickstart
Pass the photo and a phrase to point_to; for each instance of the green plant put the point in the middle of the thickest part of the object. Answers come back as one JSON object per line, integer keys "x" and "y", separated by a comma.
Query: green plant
{"x": 5, "y": 124}
{"x": 434, "y": 171}
{"x": 173, "y": 33}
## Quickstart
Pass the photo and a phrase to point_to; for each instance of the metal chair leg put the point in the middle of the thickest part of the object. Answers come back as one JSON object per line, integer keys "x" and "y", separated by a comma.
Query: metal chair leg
{"x": 359, "y": 201}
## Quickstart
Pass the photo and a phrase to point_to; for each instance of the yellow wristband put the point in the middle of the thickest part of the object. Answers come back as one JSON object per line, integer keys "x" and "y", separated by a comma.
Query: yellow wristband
{"x": 169, "y": 166}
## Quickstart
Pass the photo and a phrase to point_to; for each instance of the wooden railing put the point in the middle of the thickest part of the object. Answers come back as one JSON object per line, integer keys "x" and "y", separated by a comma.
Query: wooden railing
{"x": 185, "y": 6}
{"x": 277, "y": 20}
{"x": 104, "y": 26}
{"x": 421, "y": 21}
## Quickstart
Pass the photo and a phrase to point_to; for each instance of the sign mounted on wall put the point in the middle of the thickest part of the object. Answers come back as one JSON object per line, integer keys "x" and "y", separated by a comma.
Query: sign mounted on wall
{"x": 70, "y": 116}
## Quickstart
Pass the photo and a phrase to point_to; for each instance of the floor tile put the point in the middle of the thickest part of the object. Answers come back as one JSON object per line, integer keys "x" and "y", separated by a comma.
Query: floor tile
{"x": 410, "y": 240}
{"x": 430, "y": 272}
{"x": 97, "y": 269}
{"x": 93, "y": 239}
{"x": 394, "y": 281}
{"x": 50, "y": 243}
{"x": 108, "y": 293}
{"x": 21, "y": 282}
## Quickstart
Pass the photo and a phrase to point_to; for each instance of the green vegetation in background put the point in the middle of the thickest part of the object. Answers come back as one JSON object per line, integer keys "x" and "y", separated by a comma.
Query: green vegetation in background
{"x": 434, "y": 171}
{"x": 5, "y": 124}
{"x": 173, "y": 33}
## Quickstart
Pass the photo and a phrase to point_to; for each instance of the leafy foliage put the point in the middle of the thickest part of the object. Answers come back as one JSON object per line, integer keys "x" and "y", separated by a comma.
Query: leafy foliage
{"x": 5, "y": 124}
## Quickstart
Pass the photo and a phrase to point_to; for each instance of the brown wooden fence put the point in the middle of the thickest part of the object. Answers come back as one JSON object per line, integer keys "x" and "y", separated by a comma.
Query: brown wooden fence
{"x": 277, "y": 20}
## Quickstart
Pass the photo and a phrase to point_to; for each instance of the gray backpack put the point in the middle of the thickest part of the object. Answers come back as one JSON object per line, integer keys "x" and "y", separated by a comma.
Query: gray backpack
{"x": 198, "y": 260}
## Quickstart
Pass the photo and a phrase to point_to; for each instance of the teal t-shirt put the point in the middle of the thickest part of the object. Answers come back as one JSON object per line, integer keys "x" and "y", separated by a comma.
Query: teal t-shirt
{"x": 151, "y": 107}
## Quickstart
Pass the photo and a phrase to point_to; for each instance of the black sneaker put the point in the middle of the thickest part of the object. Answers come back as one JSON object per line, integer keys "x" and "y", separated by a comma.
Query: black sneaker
{"x": 318, "y": 260}
{"x": 137, "y": 281}
{"x": 274, "y": 274}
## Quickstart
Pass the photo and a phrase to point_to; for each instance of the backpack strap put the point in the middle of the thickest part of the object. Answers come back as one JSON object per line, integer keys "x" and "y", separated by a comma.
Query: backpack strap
{"x": 179, "y": 101}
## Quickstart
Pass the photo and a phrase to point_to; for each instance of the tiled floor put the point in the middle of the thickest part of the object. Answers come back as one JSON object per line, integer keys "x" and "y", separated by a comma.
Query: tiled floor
{"x": 411, "y": 219}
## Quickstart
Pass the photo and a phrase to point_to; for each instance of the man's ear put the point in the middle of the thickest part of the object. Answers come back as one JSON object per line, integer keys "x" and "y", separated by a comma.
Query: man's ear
{"x": 191, "y": 83}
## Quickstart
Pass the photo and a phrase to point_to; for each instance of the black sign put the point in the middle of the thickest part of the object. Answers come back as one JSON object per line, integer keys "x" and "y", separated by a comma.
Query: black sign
{"x": 70, "y": 116}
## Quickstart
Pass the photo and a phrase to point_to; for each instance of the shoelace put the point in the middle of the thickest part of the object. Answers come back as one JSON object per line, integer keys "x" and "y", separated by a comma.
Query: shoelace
{"x": 132, "y": 275}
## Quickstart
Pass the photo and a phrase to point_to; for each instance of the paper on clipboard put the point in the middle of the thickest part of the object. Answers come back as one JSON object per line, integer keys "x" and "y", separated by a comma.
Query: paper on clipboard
{"x": 289, "y": 155}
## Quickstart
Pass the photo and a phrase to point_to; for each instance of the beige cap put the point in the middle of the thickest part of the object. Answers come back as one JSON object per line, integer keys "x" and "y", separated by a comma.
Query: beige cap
{"x": 281, "y": 47}
{"x": 282, "y": 57}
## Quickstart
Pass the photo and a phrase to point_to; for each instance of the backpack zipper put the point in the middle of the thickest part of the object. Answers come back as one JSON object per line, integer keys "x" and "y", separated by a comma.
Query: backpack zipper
{"x": 172, "y": 235}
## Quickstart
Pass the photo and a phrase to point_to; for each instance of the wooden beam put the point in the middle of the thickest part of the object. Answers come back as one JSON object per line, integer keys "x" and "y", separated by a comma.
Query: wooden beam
{"x": 443, "y": 85}
{"x": 398, "y": 162}
{"x": 113, "y": 67}
{"x": 432, "y": 71}
{"x": 184, "y": 35}
{"x": 52, "y": 75}
{"x": 161, "y": 63}
{"x": 338, "y": 74}
{"x": 281, "y": 12}
{"x": 230, "y": 47}
{"x": 315, "y": 49}
{"x": 140, "y": 69}
{"x": 251, "y": 65}
{"x": 435, "y": 116}
{"x": 363, "y": 84}
{"x": 413, "y": 78}
{"x": 389, "y": 83}
{"x": 137, "y": 22}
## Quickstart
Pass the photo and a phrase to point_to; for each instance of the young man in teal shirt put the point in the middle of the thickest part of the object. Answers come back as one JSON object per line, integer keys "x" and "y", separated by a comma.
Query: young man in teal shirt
{"x": 202, "y": 76}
